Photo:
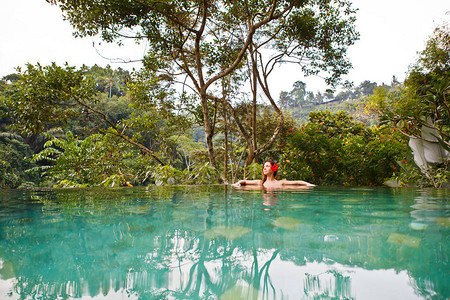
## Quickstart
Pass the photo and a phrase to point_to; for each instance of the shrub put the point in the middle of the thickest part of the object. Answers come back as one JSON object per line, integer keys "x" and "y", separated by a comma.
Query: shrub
{"x": 333, "y": 149}
{"x": 13, "y": 163}
{"x": 100, "y": 159}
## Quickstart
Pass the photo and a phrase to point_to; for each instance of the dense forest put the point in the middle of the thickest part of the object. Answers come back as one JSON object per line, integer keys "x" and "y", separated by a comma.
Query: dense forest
{"x": 174, "y": 123}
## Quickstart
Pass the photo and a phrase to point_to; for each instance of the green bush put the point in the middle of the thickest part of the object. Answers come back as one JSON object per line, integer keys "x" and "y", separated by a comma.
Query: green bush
{"x": 333, "y": 149}
{"x": 98, "y": 160}
{"x": 254, "y": 171}
{"x": 14, "y": 163}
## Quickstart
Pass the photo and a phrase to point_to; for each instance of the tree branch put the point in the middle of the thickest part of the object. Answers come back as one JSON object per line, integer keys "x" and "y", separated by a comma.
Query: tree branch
{"x": 252, "y": 29}
{"x": 168, "y": 16}
{"x": 118, "y": 133}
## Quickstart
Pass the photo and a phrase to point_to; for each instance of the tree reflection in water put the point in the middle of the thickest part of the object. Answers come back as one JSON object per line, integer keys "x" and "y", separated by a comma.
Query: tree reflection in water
{"x": 180, "y": 243}
{"x": 327, "y": 285}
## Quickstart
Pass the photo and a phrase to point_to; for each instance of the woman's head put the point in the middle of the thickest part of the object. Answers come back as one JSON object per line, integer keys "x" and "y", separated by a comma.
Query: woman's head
{"x": 269, "y": 167}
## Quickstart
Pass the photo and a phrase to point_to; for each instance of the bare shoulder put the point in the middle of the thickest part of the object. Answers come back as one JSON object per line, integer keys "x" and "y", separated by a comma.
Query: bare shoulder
{"x": 296, "y": 183}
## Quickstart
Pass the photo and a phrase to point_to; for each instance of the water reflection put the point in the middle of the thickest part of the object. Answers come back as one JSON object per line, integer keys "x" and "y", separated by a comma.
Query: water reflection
{"x": 269, "y": 199}
{"x": 223, "y": 244}
{"x": 270, "y": 194}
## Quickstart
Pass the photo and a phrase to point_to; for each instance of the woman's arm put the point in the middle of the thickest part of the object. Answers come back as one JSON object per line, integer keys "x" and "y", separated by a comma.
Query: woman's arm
{"x": 248, "y": 182}
{"x": 296, "y": 182}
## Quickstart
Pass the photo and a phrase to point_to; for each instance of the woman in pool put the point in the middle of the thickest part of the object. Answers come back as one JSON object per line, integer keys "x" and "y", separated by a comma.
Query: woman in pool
{"x": 269, "y": 171}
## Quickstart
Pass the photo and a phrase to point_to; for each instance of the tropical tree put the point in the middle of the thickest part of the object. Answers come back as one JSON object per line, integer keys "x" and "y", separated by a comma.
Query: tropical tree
{"x": 109, "y": 81}
{"x": 199, "y": 43}
{"x": 296, "y": 97}
{"x": 285, "y": 100}
{"x": 421, "y": 111}
{"x": 366, "y": 88}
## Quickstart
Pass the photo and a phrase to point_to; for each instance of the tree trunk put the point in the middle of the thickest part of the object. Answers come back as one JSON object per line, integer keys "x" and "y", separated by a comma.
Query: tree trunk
{"x": 254, "y": 90}
{"x": 225, "y": 130}
{"x": 209, "y": 132}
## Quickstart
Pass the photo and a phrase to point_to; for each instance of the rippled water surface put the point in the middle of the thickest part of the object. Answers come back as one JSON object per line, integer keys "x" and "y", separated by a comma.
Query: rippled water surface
{"x": 225, "y": 243}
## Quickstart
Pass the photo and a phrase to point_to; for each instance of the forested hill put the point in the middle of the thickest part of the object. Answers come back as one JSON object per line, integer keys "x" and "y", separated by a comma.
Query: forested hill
{"x": 299, "y": 102}
{"x": 354, "y": 107}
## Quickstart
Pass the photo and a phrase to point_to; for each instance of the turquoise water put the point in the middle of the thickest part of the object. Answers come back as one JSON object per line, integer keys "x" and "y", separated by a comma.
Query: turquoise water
{"x": 225, "y": 243}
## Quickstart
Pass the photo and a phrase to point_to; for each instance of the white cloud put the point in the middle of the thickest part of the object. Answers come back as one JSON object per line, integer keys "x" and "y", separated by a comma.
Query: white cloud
{"x": 34, "y": 31}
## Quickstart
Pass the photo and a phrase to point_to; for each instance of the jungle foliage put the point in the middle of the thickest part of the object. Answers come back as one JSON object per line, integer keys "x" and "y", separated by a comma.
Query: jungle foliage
{"x": 85, "y": 151}
{"x": 335, "y": 149}
{"x": 92, "y": 139}
{"x": 14, "y": 169}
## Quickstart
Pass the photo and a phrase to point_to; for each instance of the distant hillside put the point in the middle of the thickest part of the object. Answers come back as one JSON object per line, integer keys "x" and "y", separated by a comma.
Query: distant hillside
{"x": 354, "y": 107}
{"x": 299, "y": 102}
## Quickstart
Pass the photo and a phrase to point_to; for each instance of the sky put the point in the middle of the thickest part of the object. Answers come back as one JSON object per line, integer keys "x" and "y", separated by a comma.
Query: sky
{"x": 391, "y": 34}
